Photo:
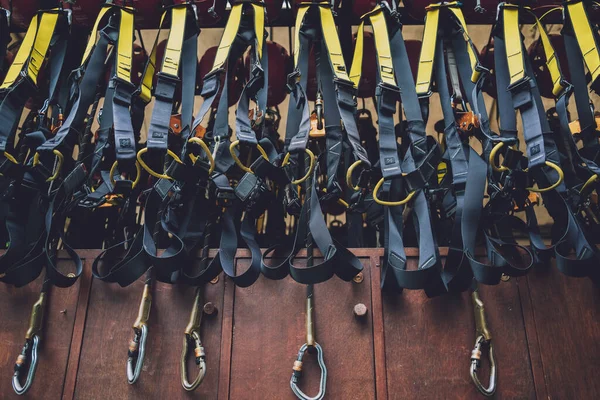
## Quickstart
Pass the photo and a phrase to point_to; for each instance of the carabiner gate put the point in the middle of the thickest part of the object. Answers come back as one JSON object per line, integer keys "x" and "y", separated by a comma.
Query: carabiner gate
{"x": 192, "y": 334}
{"x": 484, "y": 339}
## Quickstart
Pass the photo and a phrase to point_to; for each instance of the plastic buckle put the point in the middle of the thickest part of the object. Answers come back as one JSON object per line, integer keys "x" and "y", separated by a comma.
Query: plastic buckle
{"x": 346, "y": 92}
{"x": 389, "y": 95}
{"x": 292, "y": 80}
{"x": 211, "y": 82}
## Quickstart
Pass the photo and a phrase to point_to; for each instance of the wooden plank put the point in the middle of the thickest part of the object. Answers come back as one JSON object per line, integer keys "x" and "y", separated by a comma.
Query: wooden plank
{"x": 378, "y": 329}
{"x": 15, "y": 309}
{"x": 429, "y": 343}
{"x": 269, "y": 328}
{"x": 102, "y": 369}
{"x": 567, "y": 323}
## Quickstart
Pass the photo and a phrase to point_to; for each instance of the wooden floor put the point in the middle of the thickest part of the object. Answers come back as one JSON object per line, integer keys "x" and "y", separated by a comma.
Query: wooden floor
{"x": 546, "y": 331}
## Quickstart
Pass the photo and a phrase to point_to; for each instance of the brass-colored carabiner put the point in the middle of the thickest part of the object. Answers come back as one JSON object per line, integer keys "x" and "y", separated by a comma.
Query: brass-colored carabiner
{"x": 390, "y": 203}
{"x": 204, "y": 147}
{"x": 311, "y": 168}
{"x": 137, "y": 347}
{"x": 192, "y": 335}
{"x": 483, "y": 339}
{"x": 150, "y": 170}
{"x": 29, "y": 354}
{"x": 138, "y": 171}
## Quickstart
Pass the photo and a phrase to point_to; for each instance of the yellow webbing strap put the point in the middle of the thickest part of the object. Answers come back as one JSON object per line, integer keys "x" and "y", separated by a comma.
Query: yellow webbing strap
{"x": 259, "y": 27}
{"x": 551, "y": 61}
{"x": 585, "y": 38}
{"x": 231, "y": 30}
{"x": 125, "y": 45}
{"x": 427, "y": 52}
{"x": 332, "y": 42}
{"x": 148, "y": 76}
{"x": 170, "y": 65}
{"x": 302, "y": 9}
{"x": 22, "y": 55}
{"x": 457, "y": 11}
{"x": 93, "y": 36}
{"x": 512, "y": 40}
{"x": 42, "y": 44}
{"x": 382, "y": 45}
{"x": 356, "y": 68}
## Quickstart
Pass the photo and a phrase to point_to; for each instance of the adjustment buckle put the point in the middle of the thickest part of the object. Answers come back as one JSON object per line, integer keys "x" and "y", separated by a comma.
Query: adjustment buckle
{"x": 210, "y": 84}
{"x": 346, "y": 92}
{"x": 292, "y": 80}
{"x": 388, "y": 95}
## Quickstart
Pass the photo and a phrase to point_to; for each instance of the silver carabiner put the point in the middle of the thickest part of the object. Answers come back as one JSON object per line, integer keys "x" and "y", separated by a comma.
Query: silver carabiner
{"x": 484, "y": 339}
{"x": 297, "y": 374}
{"x": 137, "y": 347}
{"x": 192, "y": 334}
{"x": 31, "y": 347}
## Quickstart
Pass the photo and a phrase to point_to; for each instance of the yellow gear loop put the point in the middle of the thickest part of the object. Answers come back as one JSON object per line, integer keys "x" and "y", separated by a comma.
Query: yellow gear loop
{"x": 155, "y": 174}
{"x": 201, "y": 143}
{"x": 138, "y": 171}
{"x": 311, "y": 168}
{"x": 561, "y": 176}
{"x": 497, "y": 168}
{"x": 236, "y": 143}
{"x": 10, "y": 158}
{"x": 390, "y": 203}
{"x": 349, "y": 173}
{"x": 588, "y": 183}
{"x": 60, "y": 158}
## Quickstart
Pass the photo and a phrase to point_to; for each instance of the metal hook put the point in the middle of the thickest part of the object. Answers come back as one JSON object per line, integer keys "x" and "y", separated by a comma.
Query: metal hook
{"x": 192, "y": 335}
{"x": 310, "y": 343}
{"x": 32, "y": 340}
{"x": 137, "y": 347}
{"x": 484, "y": 338}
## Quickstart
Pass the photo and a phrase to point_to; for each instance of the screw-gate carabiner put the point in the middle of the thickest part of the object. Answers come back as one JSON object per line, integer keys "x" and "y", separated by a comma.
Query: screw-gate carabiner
{"x": 192, "y": 335}
{"x": 29, "y": 354}
{"x": 484, "y": 338}
{"x": 137, "y": 347}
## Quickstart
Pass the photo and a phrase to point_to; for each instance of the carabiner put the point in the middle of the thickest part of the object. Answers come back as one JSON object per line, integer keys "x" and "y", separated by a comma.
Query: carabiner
{"x": 192, "y": 334}
{"x": 32, "y": 340}
{"x": 484, "y": 338}
{"x": 297, "y": 374}
{"x": 137, "y": 347}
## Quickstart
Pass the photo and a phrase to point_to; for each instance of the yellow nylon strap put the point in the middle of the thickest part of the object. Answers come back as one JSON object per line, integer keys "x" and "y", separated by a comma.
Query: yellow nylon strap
{"x": 551, "y": 61}
{"x": 231, "y": 30}
{"x": 332, "y": 41}
{"x": 457, "y": 11}
{"x": 148, "y": 76}
{"x": 22, "y": 55}
{"x": 427, "y": 51}
{"x": 512, "y": 40}
{"x": 94, "y": 34}
{"x": 382, "y": 45}
{"x": 125, "y": 45}
{"x": 42, "y": 44}
{"x": 585, "y": 38}
{"x": 259, "y": 27}
{"x": 356, "y": 68}
{"x": 172, "y": 56}
{"x": 299, "y": 19}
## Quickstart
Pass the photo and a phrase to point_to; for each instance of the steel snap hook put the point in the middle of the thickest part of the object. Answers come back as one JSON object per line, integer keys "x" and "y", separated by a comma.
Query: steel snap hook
{"x": 484, "y": 339}
{"x": 192, "y": 335}
{"x": 137, "y": 347}
{"x": 30, "y": 351}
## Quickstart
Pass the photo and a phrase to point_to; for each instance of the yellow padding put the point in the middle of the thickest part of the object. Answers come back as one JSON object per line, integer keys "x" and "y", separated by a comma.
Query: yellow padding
{"x": 22, "y": 55}
{"x": 427, "y": 56}
{"x": 585, "y": 38}
{"x": 512, "y": 40}
{"x": 125, "y": 46}
{"x": 172, "y": 57}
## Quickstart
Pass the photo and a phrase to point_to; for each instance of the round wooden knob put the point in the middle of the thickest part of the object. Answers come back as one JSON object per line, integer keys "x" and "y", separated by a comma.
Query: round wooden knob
{"x": 360, "y": 310}
{"x": 210, "y": 309}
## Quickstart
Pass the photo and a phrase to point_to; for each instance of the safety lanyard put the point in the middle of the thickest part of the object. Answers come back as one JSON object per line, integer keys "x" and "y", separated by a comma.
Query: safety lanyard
{"x": 393, "y": 65}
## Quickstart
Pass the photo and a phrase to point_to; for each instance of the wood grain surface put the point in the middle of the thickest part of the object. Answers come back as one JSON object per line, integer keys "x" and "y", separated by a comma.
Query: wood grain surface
{"x": 55, "y": 342}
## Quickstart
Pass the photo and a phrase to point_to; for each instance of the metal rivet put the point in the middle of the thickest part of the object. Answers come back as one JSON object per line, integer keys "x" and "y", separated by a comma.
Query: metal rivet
{"x": 358, "y": 278}
{"x": 360, "y": 310}
{"x": 71, "y": 275}
{"x": 215, "y": 280}
{"x": 63, "y": 311}
{"x": 505, "y": 278}
{"x": 210, "y": 309}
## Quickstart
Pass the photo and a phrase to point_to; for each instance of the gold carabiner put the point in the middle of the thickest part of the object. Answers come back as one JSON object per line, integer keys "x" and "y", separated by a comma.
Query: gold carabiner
{"x": 236, "y": 143}
{"x": 311, "y": 168}
{"x": 493, "y": 153}
{"x": 192, "y": 335}
{"x": 202, "y": 144}
{"x": 483, "y": 338}
{"x": 150, "y": 170}
{"x": 390, "y": 203}
{"x": 138, "y": 171}
{"x": 137, "y": 347}
{"x": 60, "y": 158}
